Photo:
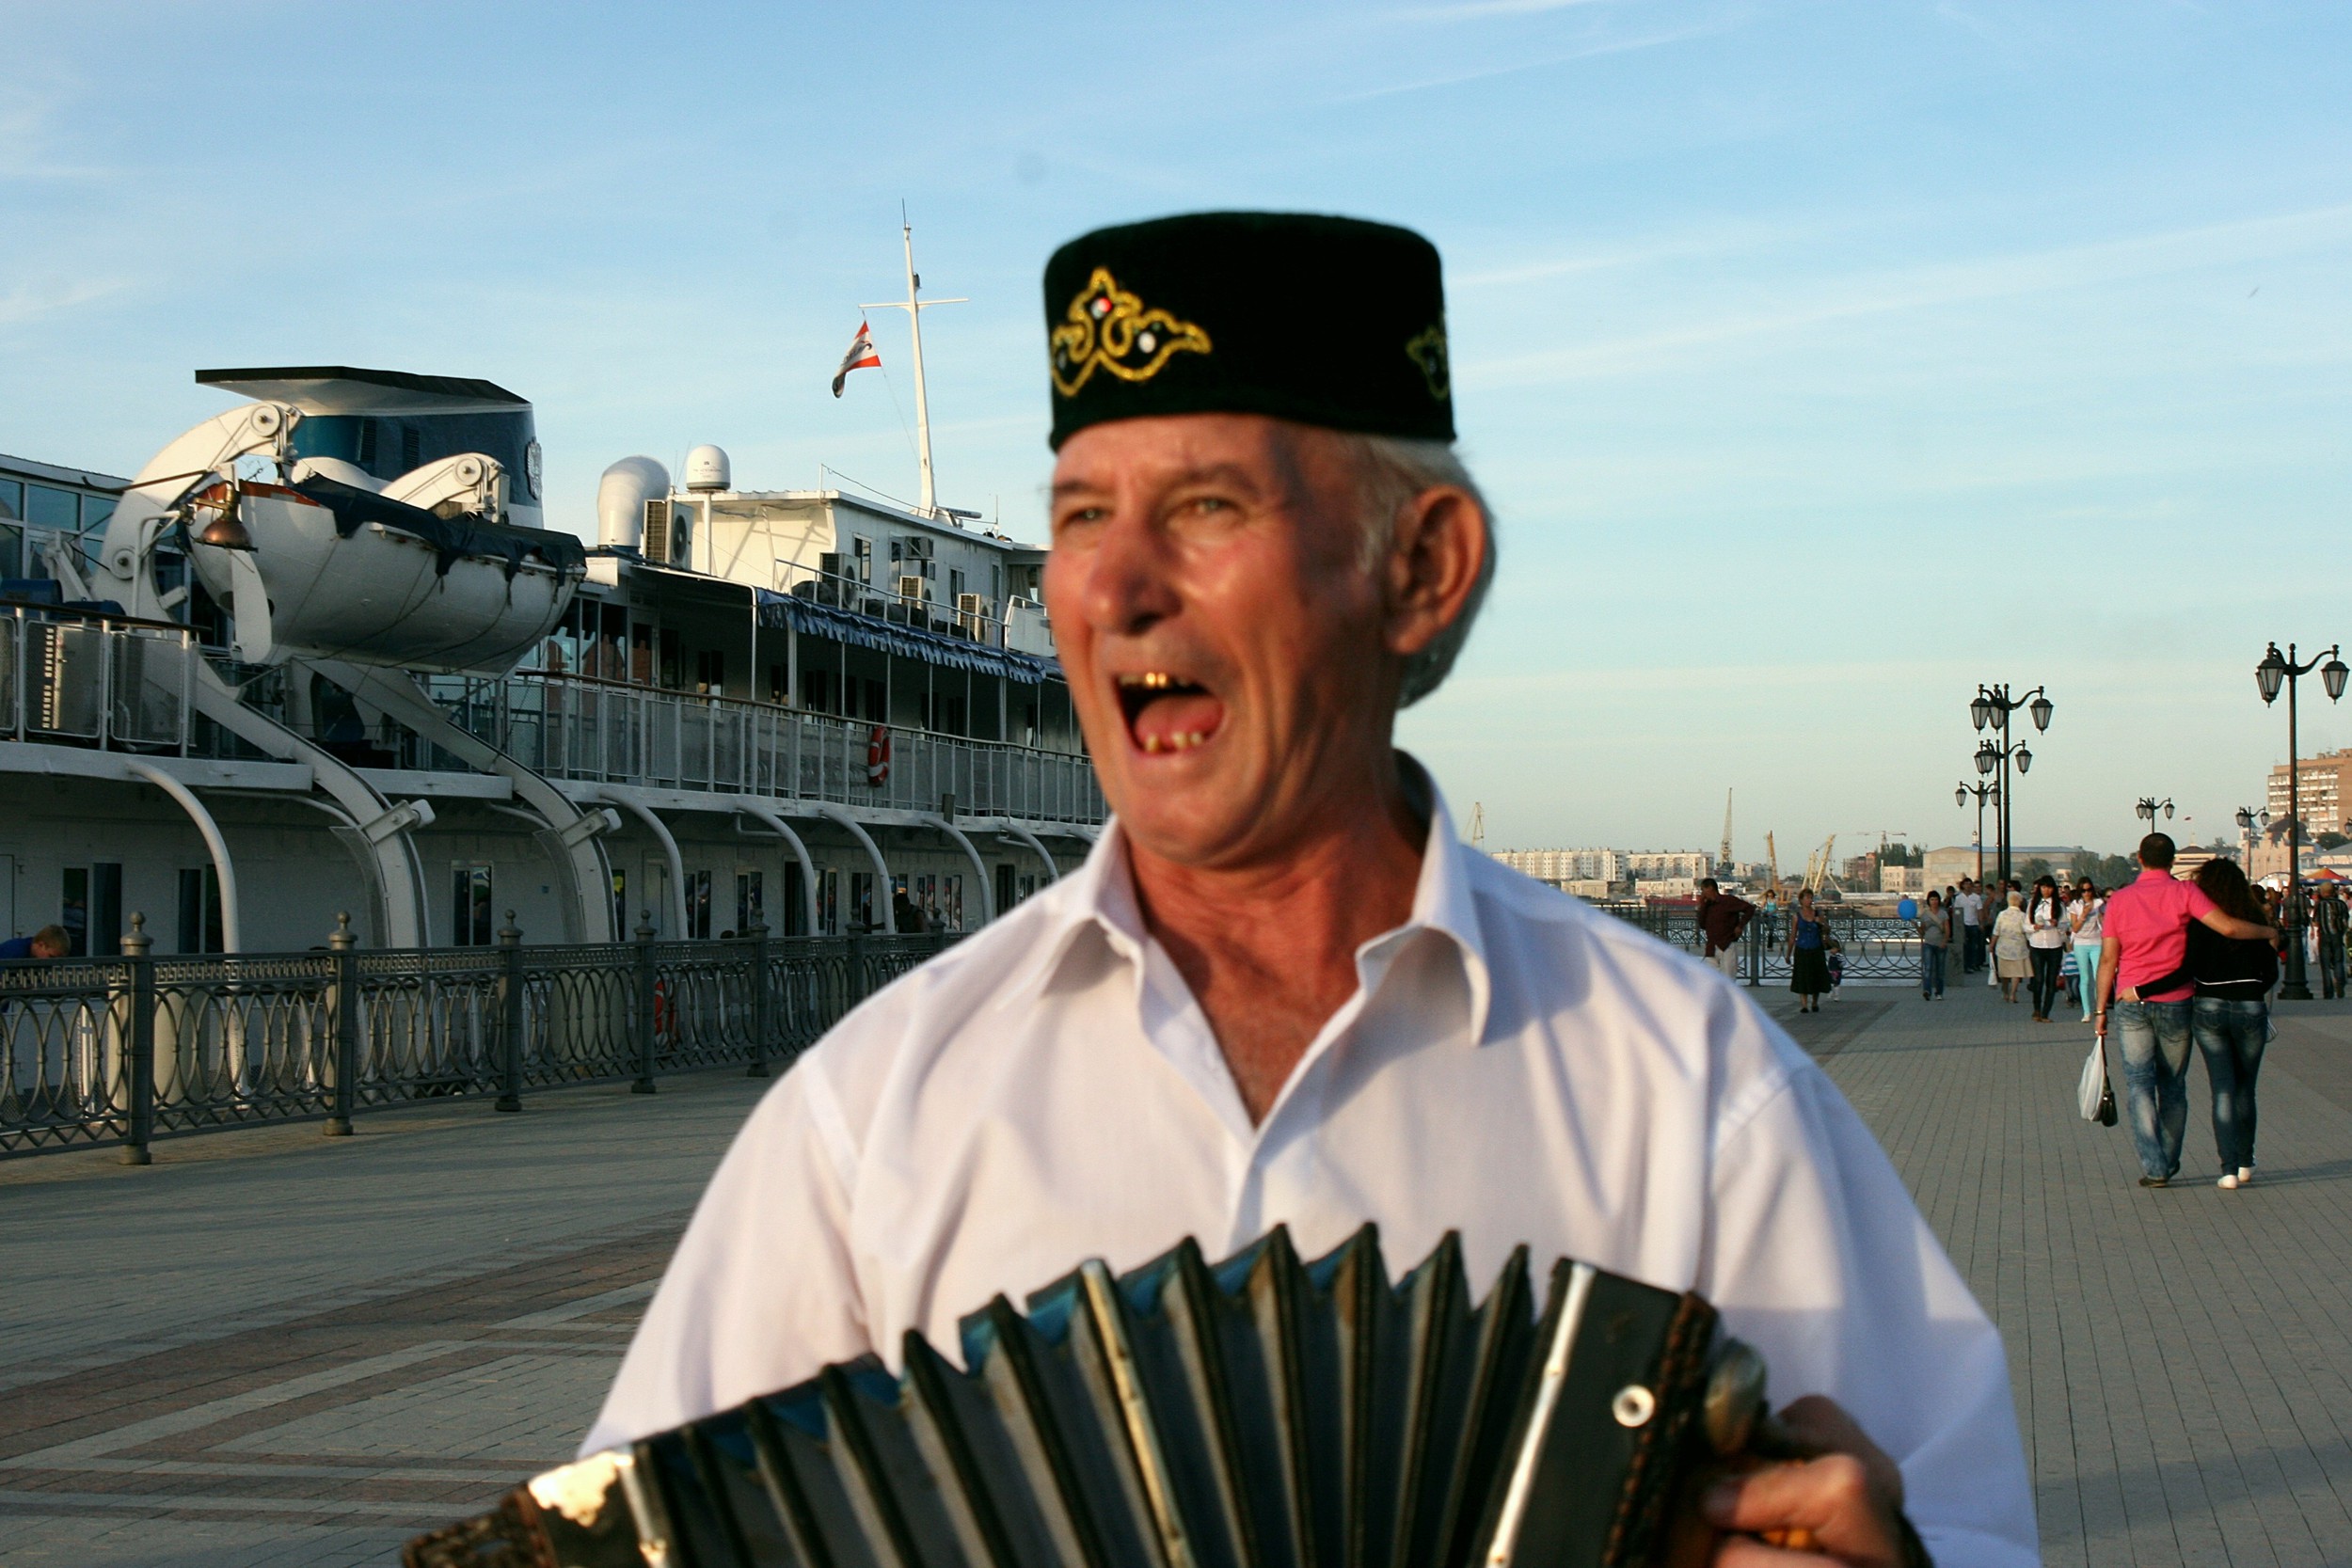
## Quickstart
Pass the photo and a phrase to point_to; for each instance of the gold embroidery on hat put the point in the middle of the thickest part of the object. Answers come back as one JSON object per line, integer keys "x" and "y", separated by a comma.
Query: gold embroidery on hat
{"x": 1107, "y": 326}
{"x": 1428, "y": 352}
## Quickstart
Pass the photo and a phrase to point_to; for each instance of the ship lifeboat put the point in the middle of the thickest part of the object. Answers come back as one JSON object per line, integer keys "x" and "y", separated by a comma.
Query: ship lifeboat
{"x": 352, "y": 574}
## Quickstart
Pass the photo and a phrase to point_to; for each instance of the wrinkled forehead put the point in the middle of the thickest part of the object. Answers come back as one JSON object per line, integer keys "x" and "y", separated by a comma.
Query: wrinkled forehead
{"x": 1252, "y": 458}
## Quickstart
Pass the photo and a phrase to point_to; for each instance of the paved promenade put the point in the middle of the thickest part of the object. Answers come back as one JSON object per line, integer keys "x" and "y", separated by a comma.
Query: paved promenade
{"x": 276, "y": 1348}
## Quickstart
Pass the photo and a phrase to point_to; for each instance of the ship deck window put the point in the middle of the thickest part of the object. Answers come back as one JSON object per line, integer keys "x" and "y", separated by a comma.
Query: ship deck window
{"x": 51, "y": 508}
{"x": 470, "y": 920}
{"x": 200, "y": 910}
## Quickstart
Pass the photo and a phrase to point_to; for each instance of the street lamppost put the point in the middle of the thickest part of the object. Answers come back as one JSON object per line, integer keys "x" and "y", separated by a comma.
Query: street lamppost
{"x": 1993, "y": 706}
{"x": 1983, "y": 792}
{"x": 2268, "y": 676}
{"x": 2249, "y": 823}
{"x": 2147, "y": 807}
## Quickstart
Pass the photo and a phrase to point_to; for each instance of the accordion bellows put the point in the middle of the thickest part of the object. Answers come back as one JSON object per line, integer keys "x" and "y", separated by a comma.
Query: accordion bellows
{"x": 1258, "y": 1413}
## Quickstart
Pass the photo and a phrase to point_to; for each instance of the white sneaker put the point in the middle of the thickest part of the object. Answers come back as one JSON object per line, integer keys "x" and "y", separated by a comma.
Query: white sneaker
{"x": 2245, "y": 1175}
{"x": 2228, "y": 1183}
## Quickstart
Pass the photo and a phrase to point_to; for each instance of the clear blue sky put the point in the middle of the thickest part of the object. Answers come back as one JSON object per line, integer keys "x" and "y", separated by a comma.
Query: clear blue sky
{"x": 1822, "y": 360}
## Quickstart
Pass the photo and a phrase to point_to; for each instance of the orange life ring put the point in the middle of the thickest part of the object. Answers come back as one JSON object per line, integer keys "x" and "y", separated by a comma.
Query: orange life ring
{"x": 878, "y": 758}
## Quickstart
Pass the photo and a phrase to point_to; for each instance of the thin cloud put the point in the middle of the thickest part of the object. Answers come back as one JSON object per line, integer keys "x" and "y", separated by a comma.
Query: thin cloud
{"x": 1939, "y": 285}
{"x": 29, "y": 302}
{"x": 1621, "y": 46}
{"x": 1475, "y": 10}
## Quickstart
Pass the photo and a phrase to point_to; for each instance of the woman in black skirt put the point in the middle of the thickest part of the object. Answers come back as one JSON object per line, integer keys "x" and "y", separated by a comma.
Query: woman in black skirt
{"x": 1809, "y": 954}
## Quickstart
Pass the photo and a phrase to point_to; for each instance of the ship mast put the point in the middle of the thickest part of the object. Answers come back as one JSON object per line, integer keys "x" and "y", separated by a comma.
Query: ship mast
{"x": 915, "y": 305}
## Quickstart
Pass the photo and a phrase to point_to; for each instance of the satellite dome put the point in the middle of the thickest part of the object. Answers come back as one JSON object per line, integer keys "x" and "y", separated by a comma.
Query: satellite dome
{"x": 706, "y": 468}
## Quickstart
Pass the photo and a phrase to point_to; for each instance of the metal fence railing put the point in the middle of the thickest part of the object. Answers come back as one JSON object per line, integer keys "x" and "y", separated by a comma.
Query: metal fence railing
{"x": 127, "y": 1049}
{"x": 1875, "y": 949}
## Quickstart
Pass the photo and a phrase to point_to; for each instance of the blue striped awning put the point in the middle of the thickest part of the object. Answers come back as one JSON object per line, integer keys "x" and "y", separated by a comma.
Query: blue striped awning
{"x": 777, "y": 610}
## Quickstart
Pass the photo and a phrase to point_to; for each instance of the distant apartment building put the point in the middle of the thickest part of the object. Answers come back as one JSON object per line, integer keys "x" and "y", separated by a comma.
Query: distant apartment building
{"x": 1669, "y": 865}
{"x": 1902, "y": 878}
{"x": 2326, "y": 789}
{"x": 1560, "y": 866}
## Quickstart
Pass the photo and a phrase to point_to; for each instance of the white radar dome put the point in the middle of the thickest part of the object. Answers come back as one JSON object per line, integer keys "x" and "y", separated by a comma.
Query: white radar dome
{"x": 621, "y": 497}
{"x": 706, "y": 468}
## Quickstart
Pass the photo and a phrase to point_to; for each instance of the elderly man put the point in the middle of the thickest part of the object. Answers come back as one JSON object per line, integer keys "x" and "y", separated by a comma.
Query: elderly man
{"x": 1282, "y": 990}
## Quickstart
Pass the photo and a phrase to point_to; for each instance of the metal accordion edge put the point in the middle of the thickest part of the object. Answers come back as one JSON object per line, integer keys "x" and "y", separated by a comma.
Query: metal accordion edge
{"x": 1260, "y": 1412}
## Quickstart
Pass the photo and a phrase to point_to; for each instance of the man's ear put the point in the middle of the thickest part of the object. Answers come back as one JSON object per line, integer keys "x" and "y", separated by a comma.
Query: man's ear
{"x": 1438, "y": 548}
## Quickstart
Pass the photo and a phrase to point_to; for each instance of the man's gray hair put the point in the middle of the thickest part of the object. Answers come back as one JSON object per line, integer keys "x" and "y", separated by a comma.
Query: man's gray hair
{"x": 1394, "y": 470}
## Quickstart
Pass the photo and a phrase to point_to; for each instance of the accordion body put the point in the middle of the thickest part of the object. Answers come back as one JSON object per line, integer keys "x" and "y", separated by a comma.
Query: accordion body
{"x": 1263, "y": 1412}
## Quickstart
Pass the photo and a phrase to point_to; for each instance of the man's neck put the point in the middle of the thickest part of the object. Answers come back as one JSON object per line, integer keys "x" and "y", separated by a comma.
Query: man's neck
{"x": 1269, "y": 950}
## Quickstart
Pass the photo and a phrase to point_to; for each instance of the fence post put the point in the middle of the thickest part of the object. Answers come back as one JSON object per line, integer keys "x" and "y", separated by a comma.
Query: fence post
{"x": 139, "y": 1125}
{"x": 645, "y": 1006}
{"x": 853, "y": 971}
{"x": 511, "y": 1015}
{"x": 343, "y": 1000}
{"x": 1753, "y": 943}
{"x": 762, "y": 1003}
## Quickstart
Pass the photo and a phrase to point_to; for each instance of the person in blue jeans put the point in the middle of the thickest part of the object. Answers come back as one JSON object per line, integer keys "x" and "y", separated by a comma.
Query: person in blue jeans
{"x": 2141, "y": 966}
{"x": 2229, "y": 1017}
{"x": 1936, "y": 940}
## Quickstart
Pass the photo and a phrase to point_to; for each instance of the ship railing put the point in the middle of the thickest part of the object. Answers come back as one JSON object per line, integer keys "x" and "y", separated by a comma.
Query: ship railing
{"x": 581, "y": 727}
{"x": 86, "y": 677}
{"x": 1875, "y": 949}
{"x": 979, "y": 617}
{"x": 126, "y": 1049}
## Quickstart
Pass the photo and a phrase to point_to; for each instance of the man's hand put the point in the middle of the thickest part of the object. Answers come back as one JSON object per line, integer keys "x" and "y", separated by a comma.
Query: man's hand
{"x": 1842, "y": 1507}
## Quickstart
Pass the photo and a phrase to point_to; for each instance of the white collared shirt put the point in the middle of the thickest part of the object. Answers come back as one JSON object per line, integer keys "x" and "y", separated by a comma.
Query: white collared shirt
{"x": 1515, "y": 1066}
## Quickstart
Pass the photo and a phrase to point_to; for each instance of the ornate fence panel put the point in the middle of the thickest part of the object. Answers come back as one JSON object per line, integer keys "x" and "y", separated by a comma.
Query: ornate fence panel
{"x": 1873, "y": 949}
{"x": 64, "y": 1055}
{"x": 242, "y": 1039}
{"x": 119, "y": 1050}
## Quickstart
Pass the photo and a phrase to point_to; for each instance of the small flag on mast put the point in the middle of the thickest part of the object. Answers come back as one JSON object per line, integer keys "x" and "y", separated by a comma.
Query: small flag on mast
{"x": 859, "y": 356}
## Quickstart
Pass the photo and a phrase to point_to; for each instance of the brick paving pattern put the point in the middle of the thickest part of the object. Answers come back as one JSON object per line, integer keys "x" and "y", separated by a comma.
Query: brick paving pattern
{"x": 276, "y": 1348}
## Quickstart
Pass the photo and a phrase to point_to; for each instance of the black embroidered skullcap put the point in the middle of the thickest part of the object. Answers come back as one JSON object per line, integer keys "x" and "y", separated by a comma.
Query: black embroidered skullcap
{"x": 1327, "y": 321}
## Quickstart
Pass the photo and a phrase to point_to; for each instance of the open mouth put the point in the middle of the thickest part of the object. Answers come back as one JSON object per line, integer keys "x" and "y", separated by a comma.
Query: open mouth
{"x": 1169, "y": 712}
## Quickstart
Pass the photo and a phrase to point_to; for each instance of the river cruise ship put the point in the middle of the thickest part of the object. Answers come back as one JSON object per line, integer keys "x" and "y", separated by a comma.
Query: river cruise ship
{"x": 319, "y": 656}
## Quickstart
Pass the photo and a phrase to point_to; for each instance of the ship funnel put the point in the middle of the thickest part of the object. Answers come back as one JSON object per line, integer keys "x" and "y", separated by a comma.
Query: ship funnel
{"x": 621, "y": 497}
{"x": 706, "y": 468}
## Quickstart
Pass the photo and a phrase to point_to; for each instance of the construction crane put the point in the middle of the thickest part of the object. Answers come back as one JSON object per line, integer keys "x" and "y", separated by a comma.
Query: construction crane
{"x": 1771, "y": 866}
{"x": 1478, "y": 824}
{"x": 1722, "y": 860}
{"x": 1817, "y": 872}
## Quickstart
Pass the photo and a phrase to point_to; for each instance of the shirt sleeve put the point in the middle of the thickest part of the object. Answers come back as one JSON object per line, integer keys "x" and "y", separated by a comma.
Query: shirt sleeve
{"x": 2198, "y": 905}
{"x": 1819, "y": 1259}
{"x": 761, "y": 1292}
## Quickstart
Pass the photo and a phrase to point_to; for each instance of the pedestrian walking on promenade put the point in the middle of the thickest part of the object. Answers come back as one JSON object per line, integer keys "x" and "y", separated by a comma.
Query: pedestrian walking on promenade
{"x": 1969, "y": 907}
{"x": 2083, "y": 918}
{"x": 1722, "y": 917}
{"x": 2230, "y": 1016}
{"x": 2330, "y": 917}
{"x": 2046, "y": 936}
{"x": 1935, "y": 938}
{"x": 2147, "y": 936}
{"x": 2012, "y": 953}
{"x": 1809, "y": 954}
